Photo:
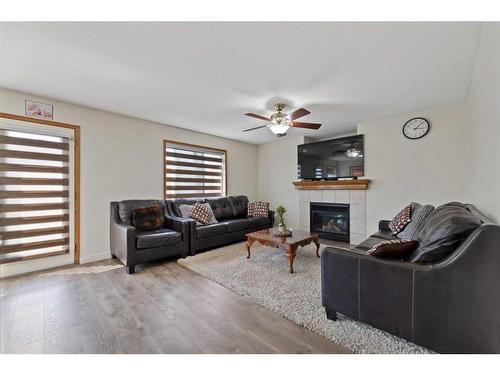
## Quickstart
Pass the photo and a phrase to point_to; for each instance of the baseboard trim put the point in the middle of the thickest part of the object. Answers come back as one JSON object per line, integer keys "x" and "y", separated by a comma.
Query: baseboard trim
{"x": 95, "y": 257}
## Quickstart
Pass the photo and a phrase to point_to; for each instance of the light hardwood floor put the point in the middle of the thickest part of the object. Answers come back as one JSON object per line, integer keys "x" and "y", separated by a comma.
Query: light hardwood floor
{"x": 162, "y": 308}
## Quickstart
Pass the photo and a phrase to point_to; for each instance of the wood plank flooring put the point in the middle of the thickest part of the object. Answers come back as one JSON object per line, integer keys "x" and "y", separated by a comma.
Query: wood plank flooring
{"x": 162, "y": 308}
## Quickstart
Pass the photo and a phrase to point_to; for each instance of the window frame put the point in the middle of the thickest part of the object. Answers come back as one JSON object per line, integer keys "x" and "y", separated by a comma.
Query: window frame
{"x": 76, "y": 171}
{"x": 193, "y": 147}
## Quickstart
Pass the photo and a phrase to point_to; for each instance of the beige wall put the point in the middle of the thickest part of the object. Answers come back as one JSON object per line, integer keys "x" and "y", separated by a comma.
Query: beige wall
{"x": 429, "y": 170}
{"x": 121, "y": 158}
{"x": 483, "y": 109}
{"x": 277, "y": 168}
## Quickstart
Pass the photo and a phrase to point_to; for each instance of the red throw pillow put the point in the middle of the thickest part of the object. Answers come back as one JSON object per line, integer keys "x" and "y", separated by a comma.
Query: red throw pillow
{"x": 258, "y": 209}
{"x": 146, "y": 218}
{"x": 401, "y": 220}
{"x": 393, "y": 249}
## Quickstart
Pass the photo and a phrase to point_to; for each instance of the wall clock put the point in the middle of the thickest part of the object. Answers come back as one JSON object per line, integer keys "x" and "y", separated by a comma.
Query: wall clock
{"x": 416, "y": 128}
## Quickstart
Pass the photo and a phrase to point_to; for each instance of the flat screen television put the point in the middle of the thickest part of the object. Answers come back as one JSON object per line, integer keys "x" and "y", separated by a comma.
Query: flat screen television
{"x": 331, "y": 159}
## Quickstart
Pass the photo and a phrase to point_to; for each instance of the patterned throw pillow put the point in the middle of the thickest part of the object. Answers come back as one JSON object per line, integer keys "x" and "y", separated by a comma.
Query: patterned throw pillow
{"x": 202, "y": 213}
{"x": 401, "y": 220}
{"x": 186, "y": 212}
{"x": 394, "y": 249}
{"x": 146, "y": 218}
{"x": 258, "y": 209}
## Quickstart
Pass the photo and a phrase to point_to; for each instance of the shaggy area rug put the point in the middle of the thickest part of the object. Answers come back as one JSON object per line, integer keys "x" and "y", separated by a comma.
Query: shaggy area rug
{"x": 265, "y": 278}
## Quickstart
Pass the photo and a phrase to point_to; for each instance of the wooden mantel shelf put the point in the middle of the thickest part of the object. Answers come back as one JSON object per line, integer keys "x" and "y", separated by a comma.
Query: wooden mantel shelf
{"x": 332, "y": 185}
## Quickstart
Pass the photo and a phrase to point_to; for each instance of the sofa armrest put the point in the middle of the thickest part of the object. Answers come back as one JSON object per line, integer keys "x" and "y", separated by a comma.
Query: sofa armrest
{"x": 178, "y": 224}
{"x": 362, "y": 255}
{"x": 383, "y": 225}
{"x": 182, "y": 226}
{"x": 122, "y": 238}
{"x": 367, "y": 288}
{"x": 270, "y": 215}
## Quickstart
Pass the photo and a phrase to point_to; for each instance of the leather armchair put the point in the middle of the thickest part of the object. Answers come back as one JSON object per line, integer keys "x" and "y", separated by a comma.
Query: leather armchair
{"x": 132, "y": 248}
{"x": 450, "y": 306}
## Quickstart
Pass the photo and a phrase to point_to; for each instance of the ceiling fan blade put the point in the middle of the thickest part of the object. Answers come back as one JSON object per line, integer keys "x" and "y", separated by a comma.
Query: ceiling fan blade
{"x": 301, "y": 112}
{"x": 305, "y": 125}
{"x": 257, "y": 127}
{"x": 257, "y": 116}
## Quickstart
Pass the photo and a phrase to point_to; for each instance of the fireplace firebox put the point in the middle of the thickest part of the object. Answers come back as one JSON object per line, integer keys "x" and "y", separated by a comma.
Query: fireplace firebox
{"x": 330, "y": 220}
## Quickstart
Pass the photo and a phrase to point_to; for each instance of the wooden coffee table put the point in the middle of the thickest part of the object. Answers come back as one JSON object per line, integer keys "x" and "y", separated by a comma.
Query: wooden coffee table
{"x": 288, "y": 244}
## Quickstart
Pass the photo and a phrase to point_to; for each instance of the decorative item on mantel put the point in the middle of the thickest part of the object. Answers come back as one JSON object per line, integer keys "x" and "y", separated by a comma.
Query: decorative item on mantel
{"x": 282, "y": 230}
{"x": 358, "y": 184}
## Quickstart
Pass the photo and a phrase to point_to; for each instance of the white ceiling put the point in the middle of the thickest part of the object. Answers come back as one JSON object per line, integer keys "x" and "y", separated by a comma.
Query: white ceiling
{"x": 204, "y": 76}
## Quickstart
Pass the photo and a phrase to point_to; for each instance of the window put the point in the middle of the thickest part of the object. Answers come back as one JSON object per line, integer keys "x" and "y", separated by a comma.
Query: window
{"x": 34, "y": 196}
{"x": 38, "y": 210}
{"x": 192, "y": 171}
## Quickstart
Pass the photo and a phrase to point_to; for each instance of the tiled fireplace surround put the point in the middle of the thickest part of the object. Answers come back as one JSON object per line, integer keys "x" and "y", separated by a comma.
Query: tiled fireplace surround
{"x": 355, "y": 198}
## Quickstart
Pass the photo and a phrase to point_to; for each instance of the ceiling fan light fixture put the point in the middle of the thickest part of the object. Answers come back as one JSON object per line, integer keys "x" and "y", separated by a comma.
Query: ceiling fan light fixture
{"x": 280, "y": 123}
{"x": 279, "y": 129}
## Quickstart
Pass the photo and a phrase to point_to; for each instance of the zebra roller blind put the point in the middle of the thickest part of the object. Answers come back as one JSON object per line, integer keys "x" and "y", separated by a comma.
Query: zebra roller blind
{"x": 34, "y": 195}
{"x": 193, "y": 171}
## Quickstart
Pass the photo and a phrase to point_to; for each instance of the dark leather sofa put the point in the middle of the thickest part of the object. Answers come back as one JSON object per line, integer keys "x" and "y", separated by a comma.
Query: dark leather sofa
{"x": 132, "y": 247}
{"x": 179, "y": 236}
{"x": 232, "y": 226}
{"x": 449, "y": 306}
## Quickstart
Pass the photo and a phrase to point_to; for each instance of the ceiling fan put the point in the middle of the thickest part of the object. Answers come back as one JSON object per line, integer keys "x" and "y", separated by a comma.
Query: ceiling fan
{"x": 280, "y": 122}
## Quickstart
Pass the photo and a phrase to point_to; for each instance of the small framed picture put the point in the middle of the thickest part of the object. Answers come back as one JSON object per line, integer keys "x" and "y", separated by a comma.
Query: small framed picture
{"x": 40, "y": 110}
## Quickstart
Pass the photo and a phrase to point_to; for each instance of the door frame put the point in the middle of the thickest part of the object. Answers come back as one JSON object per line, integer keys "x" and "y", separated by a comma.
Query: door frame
{"x": 76, "y": 166}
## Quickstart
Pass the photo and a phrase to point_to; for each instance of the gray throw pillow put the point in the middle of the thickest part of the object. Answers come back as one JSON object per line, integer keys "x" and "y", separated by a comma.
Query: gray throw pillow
{"x": 418, "y": 217}
{"x": 186, "y": 210}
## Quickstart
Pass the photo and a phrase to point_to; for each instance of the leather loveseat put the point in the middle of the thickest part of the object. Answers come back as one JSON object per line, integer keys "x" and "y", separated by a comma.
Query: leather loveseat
{"x": 232, "y": 226}
{"x": 449, "y": 306}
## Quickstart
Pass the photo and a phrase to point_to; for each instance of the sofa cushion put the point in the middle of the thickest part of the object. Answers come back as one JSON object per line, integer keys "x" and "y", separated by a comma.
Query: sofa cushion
{"x": 147, "y": 218}
{"x": 176, "y": 203}
{"x": 418, "y": 219}
{"x": 446, "y": 227}
{"x": 259, "y": 222}
{"x": 369, "y": 243}
{"x": 393, "y": 249}
{"x": 210, "y": 230}
{"x": 384, "y": 234}
{"x": 125, "y": 208}
{"x": 234, "y": 225}
{"x": 221, "y": 207}
{"x": 401, "y": 220}
{"x": 239, "y": 205}
{"x": 157, "y": 238}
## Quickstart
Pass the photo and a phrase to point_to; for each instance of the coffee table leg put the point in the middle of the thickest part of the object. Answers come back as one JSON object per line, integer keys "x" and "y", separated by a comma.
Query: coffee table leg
{"x": 290, "y": 257}
{"x": 316, "y": 241}
{"x": 290, "y": 254}
{"x": 249, "y": 243}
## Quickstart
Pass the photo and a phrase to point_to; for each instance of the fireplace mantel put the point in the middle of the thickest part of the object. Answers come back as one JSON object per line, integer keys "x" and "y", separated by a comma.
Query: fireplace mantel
{"x": 332, "y": 185}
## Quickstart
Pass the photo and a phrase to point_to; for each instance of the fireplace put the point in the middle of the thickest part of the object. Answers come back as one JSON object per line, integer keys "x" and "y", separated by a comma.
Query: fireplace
{"x": 330, "y": 220}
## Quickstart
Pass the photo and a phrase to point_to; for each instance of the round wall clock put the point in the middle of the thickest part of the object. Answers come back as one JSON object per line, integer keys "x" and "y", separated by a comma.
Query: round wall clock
{"x": 416, "y": 128}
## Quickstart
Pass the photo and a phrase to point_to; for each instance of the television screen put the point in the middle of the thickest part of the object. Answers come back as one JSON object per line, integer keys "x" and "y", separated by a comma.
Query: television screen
{"x": 334, "y": 158}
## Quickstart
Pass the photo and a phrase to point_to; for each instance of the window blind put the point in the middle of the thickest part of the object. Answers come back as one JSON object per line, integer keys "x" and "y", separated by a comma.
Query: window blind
{"x": 34, "y": 195}
{"x": 193, "y": 171}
